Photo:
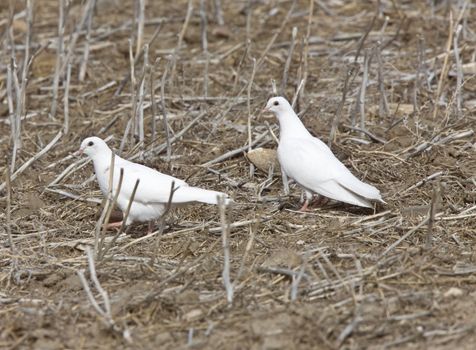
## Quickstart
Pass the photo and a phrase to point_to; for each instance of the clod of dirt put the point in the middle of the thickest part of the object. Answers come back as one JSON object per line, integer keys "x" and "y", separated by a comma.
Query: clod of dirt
{"x": 32, "y": 203}
{"x": 193, "y": 315}
{"x": 70, "y": 283}
{"x": 222, "y": 32}
{"x": 263, "y": 159}
{"x": 398, "y": 143}
{"x": 53, "y": 279}
{"x": 398, "y": 109}
{"x": 187, "y": 297}
{"x": 283, "y": 257}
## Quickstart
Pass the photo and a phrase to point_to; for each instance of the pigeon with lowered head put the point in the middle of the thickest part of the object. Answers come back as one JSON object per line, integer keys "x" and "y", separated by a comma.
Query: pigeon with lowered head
{"x": 153, "y": 192}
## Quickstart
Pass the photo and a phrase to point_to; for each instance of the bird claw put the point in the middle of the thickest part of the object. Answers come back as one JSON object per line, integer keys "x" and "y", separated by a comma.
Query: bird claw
{"x": 315, "y": 202}
{"x": 319, "y": 201}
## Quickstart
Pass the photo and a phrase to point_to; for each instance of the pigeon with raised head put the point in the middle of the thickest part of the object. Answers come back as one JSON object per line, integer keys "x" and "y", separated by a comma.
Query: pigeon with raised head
{"x": 308, "y": 161}
{"x": 153, "y": 191}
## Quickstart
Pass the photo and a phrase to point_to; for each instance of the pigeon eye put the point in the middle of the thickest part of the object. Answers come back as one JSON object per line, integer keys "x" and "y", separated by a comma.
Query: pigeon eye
{"x": 90, "y": 143}
{"x": 276, "y": 103}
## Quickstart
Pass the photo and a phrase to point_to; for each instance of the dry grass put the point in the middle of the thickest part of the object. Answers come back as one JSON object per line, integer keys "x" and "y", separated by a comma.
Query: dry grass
{"x": 401, "y": 277}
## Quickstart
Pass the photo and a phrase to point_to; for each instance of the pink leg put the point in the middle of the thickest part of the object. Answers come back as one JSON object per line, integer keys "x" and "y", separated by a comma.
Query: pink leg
{"x": 113, "y": 225}
{"x": 305, "y": 205}
{"x": 151, "y": 227}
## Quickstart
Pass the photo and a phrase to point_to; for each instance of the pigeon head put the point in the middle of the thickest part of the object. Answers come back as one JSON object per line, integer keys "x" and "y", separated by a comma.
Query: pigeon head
{"x": 93, "y": 146}
{"x": 277, "y": 105}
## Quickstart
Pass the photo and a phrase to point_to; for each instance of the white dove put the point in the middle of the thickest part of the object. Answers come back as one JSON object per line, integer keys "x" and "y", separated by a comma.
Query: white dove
{"x": 309, "y": 162}
{"x": 153, "y": 192}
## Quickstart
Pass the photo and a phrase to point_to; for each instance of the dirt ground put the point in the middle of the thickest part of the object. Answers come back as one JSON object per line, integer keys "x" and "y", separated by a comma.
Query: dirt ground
{"x": 401, "y": 276}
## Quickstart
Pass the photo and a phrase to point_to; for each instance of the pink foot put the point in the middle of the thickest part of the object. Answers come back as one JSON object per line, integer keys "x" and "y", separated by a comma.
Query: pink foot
{"x": 111, "y": 225}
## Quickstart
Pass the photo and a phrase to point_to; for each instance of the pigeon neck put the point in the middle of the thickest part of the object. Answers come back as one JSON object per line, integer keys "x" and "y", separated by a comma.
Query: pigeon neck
{"x": 291, "y": 126}
{"x": 102, "y": 160}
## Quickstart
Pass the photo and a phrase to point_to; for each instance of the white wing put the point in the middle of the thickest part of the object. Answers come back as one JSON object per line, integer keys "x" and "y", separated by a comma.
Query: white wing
{"x": 321, "y": 145}
{"x": 154, "y": 187}
{"x": 311, "y": 163}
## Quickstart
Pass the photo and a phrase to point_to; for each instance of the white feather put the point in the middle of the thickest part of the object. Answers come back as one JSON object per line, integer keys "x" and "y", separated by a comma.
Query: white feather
{"x": 312, "y": 164}
{"x": 153, "y": 190}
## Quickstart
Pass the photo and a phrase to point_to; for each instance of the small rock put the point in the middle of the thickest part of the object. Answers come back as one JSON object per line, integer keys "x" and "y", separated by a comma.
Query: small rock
{"x": 453, "y": 292}
{"x": 193, "y": 315}
{"x": 221, "y": 32}
{"x": 263, "y": 159}
{"x": 283, "y": 257}
{"x": 163, "y": 338}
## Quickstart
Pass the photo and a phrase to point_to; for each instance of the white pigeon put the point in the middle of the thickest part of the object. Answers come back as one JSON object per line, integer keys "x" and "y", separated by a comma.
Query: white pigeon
{"x": 153, "y": 192}
{"x": 308, "y": 161}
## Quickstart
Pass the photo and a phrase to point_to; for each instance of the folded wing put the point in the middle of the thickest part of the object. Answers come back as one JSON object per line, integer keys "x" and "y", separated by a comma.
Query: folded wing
{"x": 155, "y": 187}
{"x": 314, "y": 167}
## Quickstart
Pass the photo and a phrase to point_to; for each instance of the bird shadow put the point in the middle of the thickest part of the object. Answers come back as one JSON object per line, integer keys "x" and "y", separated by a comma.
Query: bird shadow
{"x": 331, "y": 205}
{"x": 350, "y": 209}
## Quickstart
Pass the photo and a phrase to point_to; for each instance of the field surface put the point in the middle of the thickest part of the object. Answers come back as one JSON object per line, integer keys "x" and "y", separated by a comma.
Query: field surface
{"x": 180, "y": 86}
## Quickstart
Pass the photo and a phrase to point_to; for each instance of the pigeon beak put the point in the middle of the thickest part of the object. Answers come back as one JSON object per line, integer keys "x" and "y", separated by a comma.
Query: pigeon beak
{"x": 80, "y": 152}
{"x": 267, "y": 111}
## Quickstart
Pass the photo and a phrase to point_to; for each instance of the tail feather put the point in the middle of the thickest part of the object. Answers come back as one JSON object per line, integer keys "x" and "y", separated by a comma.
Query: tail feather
{"x": 334, "y": 190}
{"x": 360, "y": 188}
{"x": 195, "y": 194}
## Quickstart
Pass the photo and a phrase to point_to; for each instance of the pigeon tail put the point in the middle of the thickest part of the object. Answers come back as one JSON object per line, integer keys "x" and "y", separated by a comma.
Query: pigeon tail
{"x": 195, "y": 194}
{"x": 334, "y": 190}
{"x": 360, "y": 188}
